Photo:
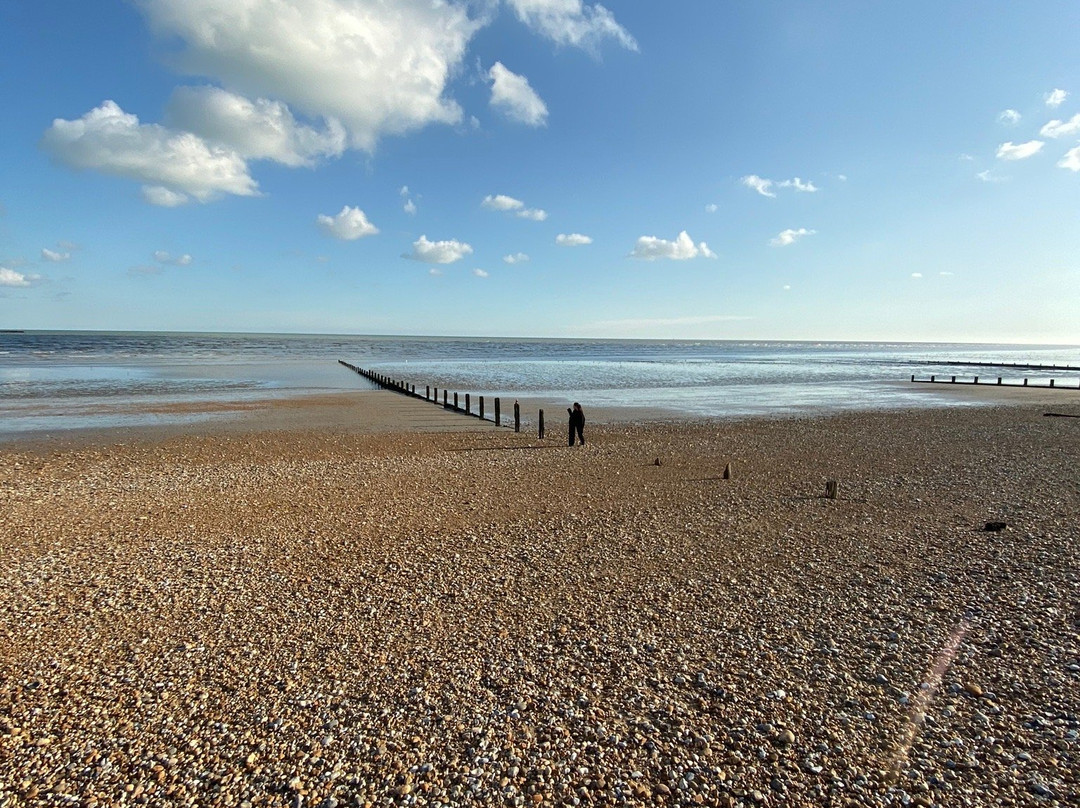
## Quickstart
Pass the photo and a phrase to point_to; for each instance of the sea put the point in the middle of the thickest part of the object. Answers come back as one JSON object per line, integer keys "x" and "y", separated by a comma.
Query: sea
{"x": 57, "y": 380}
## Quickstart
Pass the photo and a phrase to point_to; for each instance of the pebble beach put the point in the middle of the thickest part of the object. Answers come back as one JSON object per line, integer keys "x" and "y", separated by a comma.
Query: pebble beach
{"x": 331, "y": 614}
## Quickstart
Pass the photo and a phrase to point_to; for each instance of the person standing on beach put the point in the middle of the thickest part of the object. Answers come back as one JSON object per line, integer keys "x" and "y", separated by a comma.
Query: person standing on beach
{"x": 577, "y": 423}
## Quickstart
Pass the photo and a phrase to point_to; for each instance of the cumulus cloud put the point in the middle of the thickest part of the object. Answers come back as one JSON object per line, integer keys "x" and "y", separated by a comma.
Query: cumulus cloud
{"x": 571, "y": 22}
{"x": 53, "y": 255}
{"x": 349, "y": 224}
{"x": 789, "y": 236}
{"x": 1018, "y": 151}
{"x": 508, "y": 204}
{"x": 649, "y": 248}
{"x": 759, "y": 184}
{"x": 479, "y": 273}
{"x": 512, "y": 95}
{"x": 260, "y": 129}
{"x": 1055, "y": 98}
{"x": 765, "y": 186}
{"x": 1071, "y": 160}
{"x": 1057, "y": 129}
{"x": 182, "y": 164}
{"x": 1009, "y": 116}
{"x": 516, "y": 258}
{"x": 376, "y": 68}
{"x": 9, "y": 277}
{"x": 163, "y": 257}
{"x": 572, "y": 240}
{"x": 438, "y": 252}
{"x": 798, "y": 185}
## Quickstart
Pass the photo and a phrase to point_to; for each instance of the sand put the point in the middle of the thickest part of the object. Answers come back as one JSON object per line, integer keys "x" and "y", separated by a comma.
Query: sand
{"x": 325, "y": 603}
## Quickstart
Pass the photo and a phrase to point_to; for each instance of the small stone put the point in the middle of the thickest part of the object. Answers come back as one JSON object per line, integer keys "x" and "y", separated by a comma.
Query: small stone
{"x": 973, "y": 689}
{"x": 785, "y": 738}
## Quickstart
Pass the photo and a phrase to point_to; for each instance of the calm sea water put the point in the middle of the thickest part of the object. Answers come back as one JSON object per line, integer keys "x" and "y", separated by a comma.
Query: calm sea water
{"x": 62, "y": 380}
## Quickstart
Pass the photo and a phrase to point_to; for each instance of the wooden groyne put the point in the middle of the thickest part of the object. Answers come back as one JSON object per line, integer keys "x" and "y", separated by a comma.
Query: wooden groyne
{"x": 1055, "y": 384}
{"x": 1011, "y": 365}
{"x": 450, "y": 401}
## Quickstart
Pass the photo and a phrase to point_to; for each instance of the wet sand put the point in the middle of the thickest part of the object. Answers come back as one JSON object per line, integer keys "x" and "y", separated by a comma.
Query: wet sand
{"x": 327, "y": 603}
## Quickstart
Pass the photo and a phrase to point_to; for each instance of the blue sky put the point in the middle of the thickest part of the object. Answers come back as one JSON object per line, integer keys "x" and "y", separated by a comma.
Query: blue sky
{"x": 699, "y": 169}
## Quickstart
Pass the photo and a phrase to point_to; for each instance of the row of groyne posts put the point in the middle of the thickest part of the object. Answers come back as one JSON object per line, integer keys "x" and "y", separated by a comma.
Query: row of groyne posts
{"x": 935, "y": 379}
{"x": 450, "y": 401}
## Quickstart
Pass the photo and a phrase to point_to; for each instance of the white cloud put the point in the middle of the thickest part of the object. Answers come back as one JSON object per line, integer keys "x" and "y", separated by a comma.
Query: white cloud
{"x": 163, "y": 197}
{"x": 1009, "y": 116}
{"x": 1056, "y": 98}
{"x": 789, "y": 236}
{"x": 1071, "y": 160}
{"x": 798, "y": 185}
{"x": 438, "y": 252}
{"x": 163, "y": 257}
{"x": 786, "y": 287}
{"x": 649, "y": 248}
{"x": 516, "y": 258}
{"x": 765, "y": 186}
{"x": 9, "y": 277}
{"x": 916, "y": 274}
{"x": 945, "y": 274}
{"x": 378, "y": 68}
{"x": 712, "y": 207}
{"x": 572, "y": 240}
{"x": 52, "y": 255}
{"x": 479, "y": 273}
{"x": 409, "y": 207}
{"x": 108, "y": 139}
{"x": 1018, "y": 151}
{"x": 759, "y": 184}
{"x": 571, "y": 22}
{"x": 349, "y": 224}
{"x": 986, "y": 176}
{"x": 512, "y": 95}
{"x": 434, "y": 272}
{"x": 260, "y": 129}
{"x": 508, "y": 204}
{"x": 501, "y": 202}
{"x": 1061, "y": 128}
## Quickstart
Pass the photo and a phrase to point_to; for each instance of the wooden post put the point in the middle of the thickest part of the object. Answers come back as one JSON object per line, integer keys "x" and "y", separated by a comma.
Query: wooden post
{"x": 468, "y": 405}
{"x": 727, "y": 471}
{"x": 976, "y": 380}
{"x": 445, "y": 399}
{"x": 427, "y": 392}
{"x": 913, "y": 377}
{"x": 498, "y": 414}
{"x": 953, "y": 380}
{"x": 1051, "y": 382}
{"x": 832, "y": 488}
{"x": 931, "y": 378}
{"x": 436, "y": 399}
{"x": 481, "y": 408}
{"x": 999, "y": 380}
{"x": 455, "y": 403}
{"x": 517, "y": 417}
{"x": 1025, "y": 381}
{"x": 541, "y": 424}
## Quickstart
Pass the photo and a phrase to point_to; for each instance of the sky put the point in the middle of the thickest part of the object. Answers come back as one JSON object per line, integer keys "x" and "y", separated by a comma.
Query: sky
{"x": 699, "y": 169}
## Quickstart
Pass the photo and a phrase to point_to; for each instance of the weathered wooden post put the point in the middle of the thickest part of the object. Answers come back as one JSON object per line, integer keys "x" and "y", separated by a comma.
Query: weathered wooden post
{"x": 481, "y": 408}
{"x": 1025, "y": 381}
{"x": 999, "y": 380}
{"x": 498, "y": 413}
{"x": 976, "y": 380}
{"x": 541, "y": 424}
{"x": 455, "y": 403}
{"x": 931, "y": 378}
{"x": 445, "y": 398}
{"x": 468, "y": 405}
{"x": 953, "y": 380}
{"x": 1051, "y": 382}
{"x": 517, "y": 417}
{"x": 427, "y": 393}
{"x": 913, "y": 377}
{"x": 727, "y": 471}
{"x": 832, "y": 488}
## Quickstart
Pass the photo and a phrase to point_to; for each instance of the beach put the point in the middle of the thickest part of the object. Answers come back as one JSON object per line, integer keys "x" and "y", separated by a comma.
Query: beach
{"x": 365, "y": 600}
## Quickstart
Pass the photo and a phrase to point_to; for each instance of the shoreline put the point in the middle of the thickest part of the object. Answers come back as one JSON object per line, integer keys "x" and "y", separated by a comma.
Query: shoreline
{"x": 381, "y": 411}
{"x": 333, "y": 616}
